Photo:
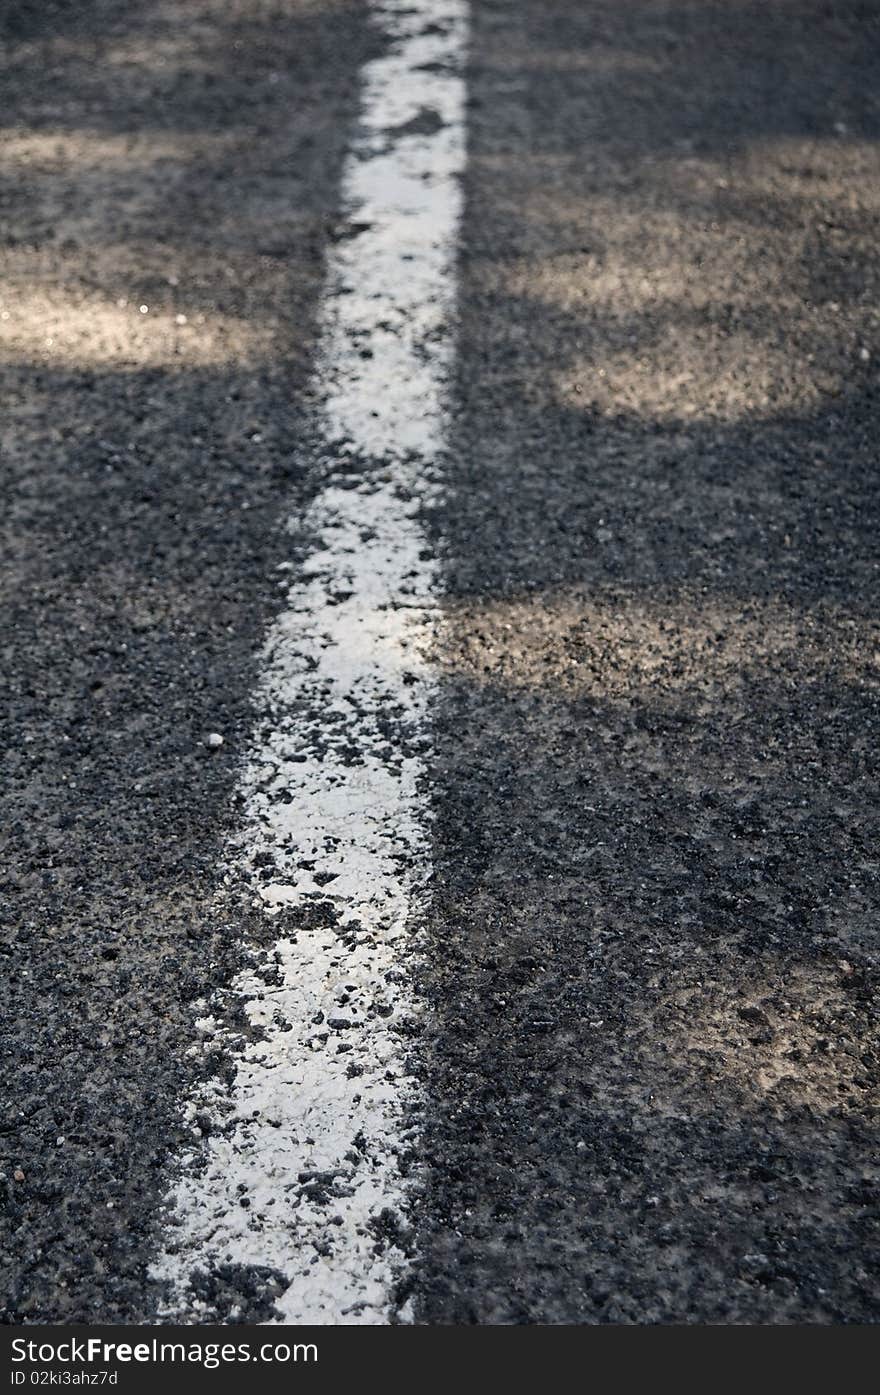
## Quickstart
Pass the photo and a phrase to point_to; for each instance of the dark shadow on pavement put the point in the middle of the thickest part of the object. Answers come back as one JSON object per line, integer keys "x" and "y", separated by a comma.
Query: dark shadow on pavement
{"x": 649, "y": 1051}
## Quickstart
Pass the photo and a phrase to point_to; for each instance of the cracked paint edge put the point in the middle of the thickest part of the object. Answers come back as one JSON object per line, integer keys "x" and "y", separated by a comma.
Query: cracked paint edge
{"x": 296, "y": 1171}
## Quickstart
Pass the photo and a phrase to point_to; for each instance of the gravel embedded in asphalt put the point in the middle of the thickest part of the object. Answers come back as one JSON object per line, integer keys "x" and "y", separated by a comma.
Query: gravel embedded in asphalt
{"x": 649, "y": 1052}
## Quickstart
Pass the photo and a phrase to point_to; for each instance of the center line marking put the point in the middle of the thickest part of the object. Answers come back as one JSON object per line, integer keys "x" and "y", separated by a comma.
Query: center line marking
{"x": 298, "y": 1182}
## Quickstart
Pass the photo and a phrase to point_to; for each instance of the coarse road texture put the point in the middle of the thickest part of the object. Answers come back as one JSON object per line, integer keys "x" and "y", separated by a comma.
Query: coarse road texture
{"x": 647, "y": 1046}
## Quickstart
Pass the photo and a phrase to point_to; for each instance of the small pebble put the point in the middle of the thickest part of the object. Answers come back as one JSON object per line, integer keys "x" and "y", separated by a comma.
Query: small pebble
{"x": 213, "y": 740}
{"x": 18, "y": 1175}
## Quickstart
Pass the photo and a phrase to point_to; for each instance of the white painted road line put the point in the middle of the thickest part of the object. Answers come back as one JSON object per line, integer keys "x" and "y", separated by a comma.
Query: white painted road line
{"x": 300, "y": 1167}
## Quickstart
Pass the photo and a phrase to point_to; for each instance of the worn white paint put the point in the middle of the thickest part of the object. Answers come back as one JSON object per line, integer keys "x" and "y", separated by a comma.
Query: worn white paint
{"x": 333, "y": 786}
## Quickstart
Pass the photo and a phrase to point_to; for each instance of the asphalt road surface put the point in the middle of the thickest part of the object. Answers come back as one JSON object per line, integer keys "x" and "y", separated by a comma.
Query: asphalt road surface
{"x": 469, "y": 413}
